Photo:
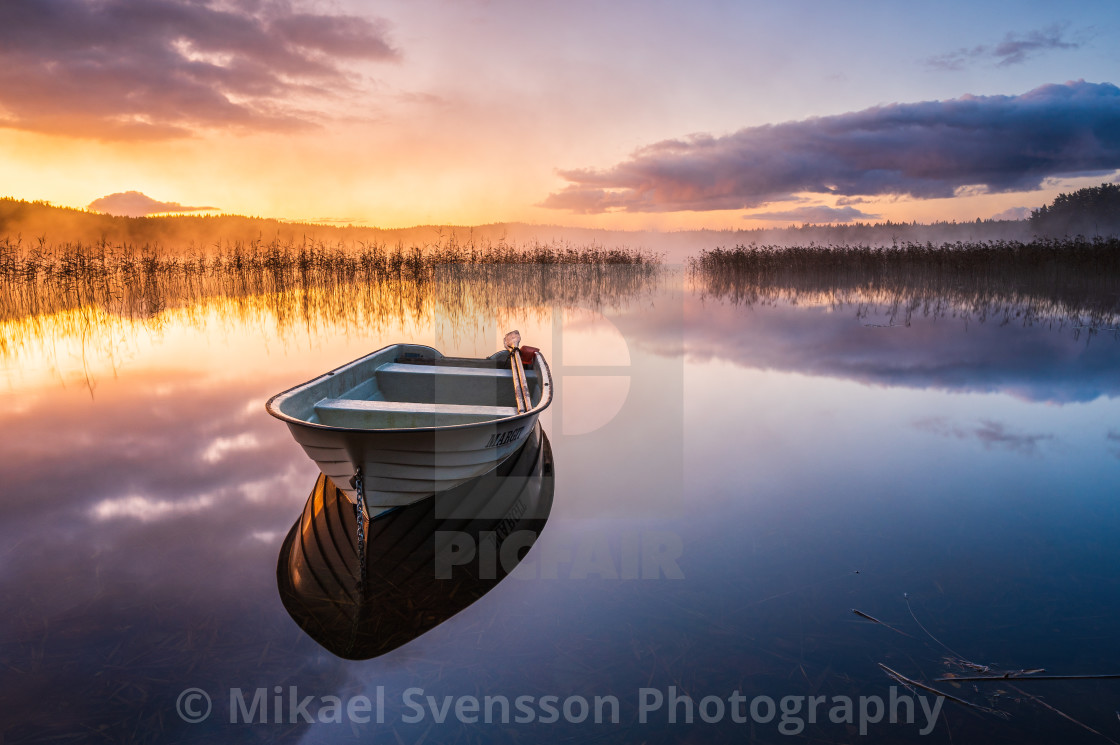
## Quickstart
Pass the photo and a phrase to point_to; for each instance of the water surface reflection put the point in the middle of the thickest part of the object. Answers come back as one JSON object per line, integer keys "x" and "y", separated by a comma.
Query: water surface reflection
{"x": 413, "y": 567}
{"x": 967, "y": 459}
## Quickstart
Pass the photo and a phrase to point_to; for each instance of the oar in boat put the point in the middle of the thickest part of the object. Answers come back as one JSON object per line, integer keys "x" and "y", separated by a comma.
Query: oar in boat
{"x": 512, "y": 341}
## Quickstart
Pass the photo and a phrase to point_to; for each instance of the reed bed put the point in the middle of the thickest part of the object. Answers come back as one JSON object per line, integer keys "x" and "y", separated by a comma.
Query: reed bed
{"x": 39, "y": 278}
{"x": 89, "y": 291}
{"x": 1074, "y": 281}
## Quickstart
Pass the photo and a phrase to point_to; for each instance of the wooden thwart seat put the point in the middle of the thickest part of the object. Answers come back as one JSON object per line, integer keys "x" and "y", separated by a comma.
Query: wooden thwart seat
{"x": 474, "y": 386}
{"x": 360, "y": 414}
{"x": 406, "y": 368}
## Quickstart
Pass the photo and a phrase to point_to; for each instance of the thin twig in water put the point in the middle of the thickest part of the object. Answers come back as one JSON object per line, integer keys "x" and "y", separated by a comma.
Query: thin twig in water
{"x": 958, "y": 658}
{"x": 1023, "y": 675}
{"x": 1006, "y": 677}
{"x": 909, "y": 682}
{"x": 861, "y": 614}
{"x": 1062, "y": 714}
{"x": 906, "y": 597}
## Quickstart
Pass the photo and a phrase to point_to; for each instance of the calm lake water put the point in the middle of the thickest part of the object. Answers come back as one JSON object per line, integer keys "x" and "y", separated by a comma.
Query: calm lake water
{"x": 731, "y": 479}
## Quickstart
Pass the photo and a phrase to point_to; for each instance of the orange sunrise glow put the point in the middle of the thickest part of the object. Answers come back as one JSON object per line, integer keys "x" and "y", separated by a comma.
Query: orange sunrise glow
{"x": 398, "y": 115}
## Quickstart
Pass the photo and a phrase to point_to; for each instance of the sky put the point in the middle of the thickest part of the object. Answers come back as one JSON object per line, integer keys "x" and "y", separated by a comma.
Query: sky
{"x": 621, "y": 115}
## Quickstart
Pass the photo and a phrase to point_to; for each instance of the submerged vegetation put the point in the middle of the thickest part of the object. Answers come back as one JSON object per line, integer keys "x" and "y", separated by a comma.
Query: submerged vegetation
{"x": 1073, "y": 280}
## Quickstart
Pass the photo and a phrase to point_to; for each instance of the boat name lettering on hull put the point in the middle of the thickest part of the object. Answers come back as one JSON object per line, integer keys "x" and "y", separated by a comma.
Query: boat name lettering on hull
{"x": 504, "y": 438}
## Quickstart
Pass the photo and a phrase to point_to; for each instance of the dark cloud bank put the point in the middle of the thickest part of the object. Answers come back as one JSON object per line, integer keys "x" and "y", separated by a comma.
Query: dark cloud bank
{"x": 155, "y": 69}
{"x": 924, "y": 150}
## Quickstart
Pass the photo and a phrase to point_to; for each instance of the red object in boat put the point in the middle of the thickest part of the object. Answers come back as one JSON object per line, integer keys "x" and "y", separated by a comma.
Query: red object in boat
{"x": 527, "y": 355}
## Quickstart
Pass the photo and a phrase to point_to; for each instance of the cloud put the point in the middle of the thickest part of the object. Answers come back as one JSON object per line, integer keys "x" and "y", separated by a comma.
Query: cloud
{"x": 1013, "y": 50}
{"x": 1114, "y": 436}
{"x": 1013, "y": 213}
{"x": 136, "y": 204}
{"x": 118, "y": 69}
{"x": 990, "y": 433}
{"x": 955, "y": 60}
{"x": 924, "y": 150}
{"x": 813, "y": 213}
{"x": 145, "y": 509}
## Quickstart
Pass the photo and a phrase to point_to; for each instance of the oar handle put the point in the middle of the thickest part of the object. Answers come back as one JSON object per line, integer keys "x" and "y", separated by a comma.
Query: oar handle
{"x": 520, "y": 385}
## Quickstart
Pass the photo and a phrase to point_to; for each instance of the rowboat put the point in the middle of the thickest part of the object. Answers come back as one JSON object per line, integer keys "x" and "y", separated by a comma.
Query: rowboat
{"x": 362, "y": 593}
{"x": 406, "y": 422}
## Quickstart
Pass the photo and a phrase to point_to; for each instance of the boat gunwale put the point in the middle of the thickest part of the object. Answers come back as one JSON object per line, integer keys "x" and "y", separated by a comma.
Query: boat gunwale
{"x": 274, "y": 410}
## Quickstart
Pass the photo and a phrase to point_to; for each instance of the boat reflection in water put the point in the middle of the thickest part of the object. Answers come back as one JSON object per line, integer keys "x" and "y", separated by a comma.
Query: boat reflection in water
{"x": 421, "y": 563}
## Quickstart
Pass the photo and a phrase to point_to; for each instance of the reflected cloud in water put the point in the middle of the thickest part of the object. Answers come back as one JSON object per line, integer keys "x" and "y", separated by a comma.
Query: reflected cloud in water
{"x": 989, "y": 433}
{"x": 1040, "y": 321}
{"x": 856, "y": 341}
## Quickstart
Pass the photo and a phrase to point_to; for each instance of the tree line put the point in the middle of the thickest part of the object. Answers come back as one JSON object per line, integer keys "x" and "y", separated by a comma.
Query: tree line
{"x": 1090, "y": 212}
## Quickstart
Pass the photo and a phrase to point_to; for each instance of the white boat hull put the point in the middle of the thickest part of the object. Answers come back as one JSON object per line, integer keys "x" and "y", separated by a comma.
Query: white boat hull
{"x": 402, "y": 466}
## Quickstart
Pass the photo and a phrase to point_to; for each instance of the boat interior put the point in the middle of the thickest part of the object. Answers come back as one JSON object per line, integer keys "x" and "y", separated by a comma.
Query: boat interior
{"x": 408, "y": 386}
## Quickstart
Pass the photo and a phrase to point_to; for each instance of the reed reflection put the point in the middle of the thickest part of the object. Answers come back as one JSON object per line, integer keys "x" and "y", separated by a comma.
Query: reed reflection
{"x": 1039, "y": 321}
{"x": 1070, "y": 283}
{"x": 95, "y": 296}
{"x": 361, "y": 594}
